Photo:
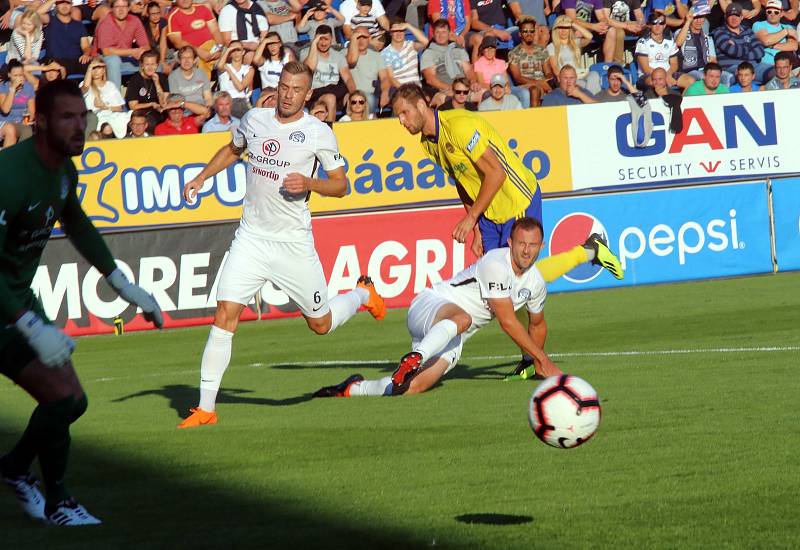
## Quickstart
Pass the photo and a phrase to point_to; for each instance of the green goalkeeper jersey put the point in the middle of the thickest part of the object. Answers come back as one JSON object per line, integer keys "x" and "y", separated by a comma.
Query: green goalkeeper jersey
{"x": 32, "y": 199}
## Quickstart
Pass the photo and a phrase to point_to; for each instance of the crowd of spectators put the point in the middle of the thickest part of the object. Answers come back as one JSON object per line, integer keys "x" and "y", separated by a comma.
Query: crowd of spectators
{"x": 179, "y": 66}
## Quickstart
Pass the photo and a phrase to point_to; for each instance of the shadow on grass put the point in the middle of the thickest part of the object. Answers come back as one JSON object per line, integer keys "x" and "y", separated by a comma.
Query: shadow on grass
{"x": 171, "y": 506}
{"x": 381, "y": 366}
{"x": 182, "y": 397}
{"x": 493, "y": 519}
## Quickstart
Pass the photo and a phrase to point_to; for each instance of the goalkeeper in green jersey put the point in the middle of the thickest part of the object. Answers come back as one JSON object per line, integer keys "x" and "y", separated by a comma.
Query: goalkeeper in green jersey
{"x": 37, "y": 189}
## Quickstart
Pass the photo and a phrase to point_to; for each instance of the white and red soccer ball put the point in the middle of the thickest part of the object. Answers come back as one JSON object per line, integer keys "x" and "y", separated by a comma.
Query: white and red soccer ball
{"x": 564, "y": 411}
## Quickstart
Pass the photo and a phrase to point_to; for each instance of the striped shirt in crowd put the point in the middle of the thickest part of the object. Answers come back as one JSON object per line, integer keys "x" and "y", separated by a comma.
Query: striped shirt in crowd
{"x": 404, "y": 63}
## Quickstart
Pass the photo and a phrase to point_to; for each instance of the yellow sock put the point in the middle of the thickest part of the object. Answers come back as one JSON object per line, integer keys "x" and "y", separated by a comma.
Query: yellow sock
{"x": 555, "y": 266}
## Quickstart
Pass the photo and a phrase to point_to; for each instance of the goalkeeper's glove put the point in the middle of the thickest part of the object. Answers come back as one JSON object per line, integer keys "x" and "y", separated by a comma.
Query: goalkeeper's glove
{"x": 136, "y": 295}
{"x": 53, "y": 347}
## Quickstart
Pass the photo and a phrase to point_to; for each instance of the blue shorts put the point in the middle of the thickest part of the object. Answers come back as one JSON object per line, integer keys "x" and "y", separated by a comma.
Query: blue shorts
{"x": 496, "y": 235}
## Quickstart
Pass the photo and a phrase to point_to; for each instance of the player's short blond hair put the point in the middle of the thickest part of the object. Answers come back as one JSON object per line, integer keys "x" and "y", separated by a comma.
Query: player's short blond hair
{"x": 296, "y": 67}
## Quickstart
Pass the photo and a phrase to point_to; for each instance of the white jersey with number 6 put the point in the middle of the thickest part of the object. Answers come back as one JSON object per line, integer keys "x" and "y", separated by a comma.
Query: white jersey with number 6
{"x": 492, "y": 276}
{"x": 276, "y": 150}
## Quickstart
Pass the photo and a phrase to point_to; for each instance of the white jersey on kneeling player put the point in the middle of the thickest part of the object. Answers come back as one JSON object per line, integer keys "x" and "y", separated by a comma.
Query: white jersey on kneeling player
{"x": 275, "y": 150}
{"x": 490, "y": 277}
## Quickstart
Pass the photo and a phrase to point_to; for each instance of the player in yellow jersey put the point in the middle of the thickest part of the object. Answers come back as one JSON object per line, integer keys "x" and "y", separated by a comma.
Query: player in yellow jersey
{"x": 494, "y": 185}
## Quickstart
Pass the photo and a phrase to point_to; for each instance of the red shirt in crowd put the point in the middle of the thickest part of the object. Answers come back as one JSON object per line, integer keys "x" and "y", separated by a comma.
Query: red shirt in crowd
{"x": 188, "y": 126}
{"x": 192, "y": 26}
{"x": 110, "y": 35}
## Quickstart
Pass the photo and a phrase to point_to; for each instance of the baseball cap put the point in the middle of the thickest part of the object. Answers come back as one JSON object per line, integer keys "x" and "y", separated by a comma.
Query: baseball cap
{"x": 733, "y": 9}
{"x": 497, "y": 80}
{"x": 775, "y": 4}
{"x": 488, "y": 42}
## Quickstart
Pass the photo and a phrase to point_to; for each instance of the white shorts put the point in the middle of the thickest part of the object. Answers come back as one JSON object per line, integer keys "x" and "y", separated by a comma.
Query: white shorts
{"x": 293, "y": 267}
{"x": 420, "y": 318}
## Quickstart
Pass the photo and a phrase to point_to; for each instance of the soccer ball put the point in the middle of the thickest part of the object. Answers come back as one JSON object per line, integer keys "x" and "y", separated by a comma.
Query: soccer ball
{"x": 564, "y": 411}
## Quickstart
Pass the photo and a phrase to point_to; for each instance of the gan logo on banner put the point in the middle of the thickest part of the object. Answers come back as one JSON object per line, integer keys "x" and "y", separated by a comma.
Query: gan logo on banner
{"x": 733, "y": 136}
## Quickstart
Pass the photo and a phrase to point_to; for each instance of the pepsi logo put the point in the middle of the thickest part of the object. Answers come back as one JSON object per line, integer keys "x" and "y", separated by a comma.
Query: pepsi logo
{"x": 271, "y": 147}
{"x": 571, "y": 230}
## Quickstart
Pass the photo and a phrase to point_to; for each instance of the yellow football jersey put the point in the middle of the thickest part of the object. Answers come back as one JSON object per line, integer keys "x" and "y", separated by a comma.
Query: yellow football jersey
{"x": 461, "y": 138}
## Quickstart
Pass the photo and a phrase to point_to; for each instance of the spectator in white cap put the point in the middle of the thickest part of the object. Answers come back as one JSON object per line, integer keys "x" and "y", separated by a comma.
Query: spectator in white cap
{"x": 499, "y": 99}
{"x": 774, "y": 35}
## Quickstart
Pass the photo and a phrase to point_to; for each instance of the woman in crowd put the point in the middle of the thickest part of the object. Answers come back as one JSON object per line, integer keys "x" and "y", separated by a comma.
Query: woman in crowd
{"x": 235, "y": 77}
{"x": 155, "y": 28}
{"x": 104, "y": 99}
{"x": 44, "y": 71}
{"x": 566, "y": 49}
{"x": 17, "y": 101}
{"x": 488, "y": 64}
{"x": 356, "y": 108}
{"x": 270, "y": 57}
{"x": 27, "y": 38}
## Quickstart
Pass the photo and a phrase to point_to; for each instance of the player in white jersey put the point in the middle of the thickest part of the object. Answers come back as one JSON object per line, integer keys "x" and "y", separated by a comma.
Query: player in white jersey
{"x": 442, "y": 318}
{"x": 274, "y": 242}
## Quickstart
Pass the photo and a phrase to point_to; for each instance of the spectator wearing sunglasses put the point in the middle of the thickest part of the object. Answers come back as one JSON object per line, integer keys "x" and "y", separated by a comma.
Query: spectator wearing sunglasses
{"x": 656, "y": 51}
{"x": 460, "y": 98}
{"x": 527, "y": 62}
{"x": 774, "y": 35}
{"x": 356, "y": 108}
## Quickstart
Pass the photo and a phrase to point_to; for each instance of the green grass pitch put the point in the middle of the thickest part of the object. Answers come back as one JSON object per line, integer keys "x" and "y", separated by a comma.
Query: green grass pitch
{"x": 696, "y": 449}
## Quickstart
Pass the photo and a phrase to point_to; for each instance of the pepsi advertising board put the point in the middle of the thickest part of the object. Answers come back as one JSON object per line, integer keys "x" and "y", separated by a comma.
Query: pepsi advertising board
{"x": 666, "y": 235}
{"x": 786, "y": 212}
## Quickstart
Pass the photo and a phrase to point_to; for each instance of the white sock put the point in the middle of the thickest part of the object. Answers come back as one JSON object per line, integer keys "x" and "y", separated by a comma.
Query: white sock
{"x": 437, "y": 338}
{"x": 371, "y": 387}
{"x": 216, "y": 357}
{"x": 344, "y": 306}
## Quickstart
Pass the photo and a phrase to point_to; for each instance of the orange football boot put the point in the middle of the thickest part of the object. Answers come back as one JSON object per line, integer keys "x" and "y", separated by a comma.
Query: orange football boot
{"x": 199, "y": 417}
{"x": 375, "y": 305}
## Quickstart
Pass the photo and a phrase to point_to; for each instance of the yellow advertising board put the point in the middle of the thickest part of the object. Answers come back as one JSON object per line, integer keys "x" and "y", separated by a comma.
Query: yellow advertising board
{"x": 139, "y": 183}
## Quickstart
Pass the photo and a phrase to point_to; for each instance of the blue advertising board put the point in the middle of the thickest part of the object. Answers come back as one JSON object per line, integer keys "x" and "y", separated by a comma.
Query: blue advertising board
{"x": 786, "y": 209}
{"x": 665, "y": 235}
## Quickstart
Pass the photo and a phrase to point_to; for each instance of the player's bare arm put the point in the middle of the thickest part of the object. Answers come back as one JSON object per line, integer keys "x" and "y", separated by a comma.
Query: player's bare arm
{"x": 537, "y": 329}
{"x": 477, "y": 238}
{"x": 503, "y": 310}
{"x": 334, "y": 186}
{"x": 493, "y": 177}
{"x": 223, "y": 158}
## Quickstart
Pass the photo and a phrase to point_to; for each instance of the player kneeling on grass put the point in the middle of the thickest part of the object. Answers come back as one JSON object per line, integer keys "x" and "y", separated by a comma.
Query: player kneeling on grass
{"x": 37, "y": 188}
{"x": 442, "y": 318}
{"x": 274, "y": 240}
